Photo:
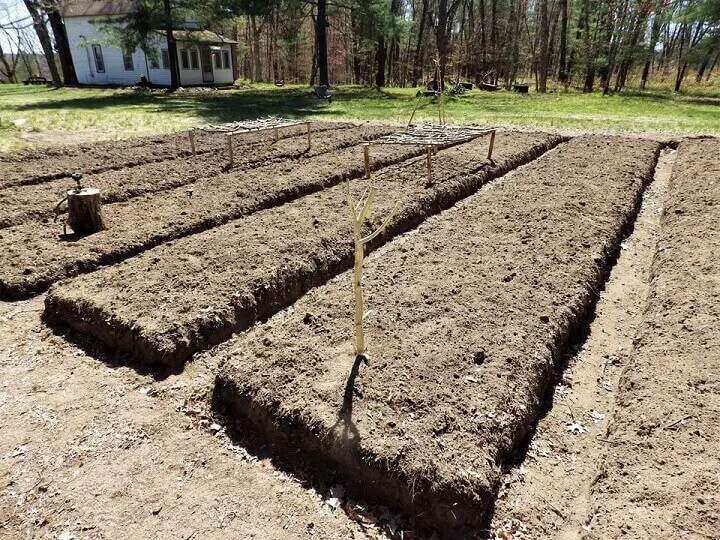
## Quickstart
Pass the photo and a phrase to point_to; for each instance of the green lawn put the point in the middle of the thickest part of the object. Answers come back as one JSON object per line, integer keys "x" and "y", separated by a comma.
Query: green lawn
{"x": 114, "y": 113}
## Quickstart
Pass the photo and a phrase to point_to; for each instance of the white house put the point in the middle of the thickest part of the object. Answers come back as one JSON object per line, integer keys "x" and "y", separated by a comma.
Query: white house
{"x": 204, "y": 57}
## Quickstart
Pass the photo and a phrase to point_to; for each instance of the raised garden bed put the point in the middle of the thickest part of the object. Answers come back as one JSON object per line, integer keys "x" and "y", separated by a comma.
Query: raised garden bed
{"x": 37, "y": 166}
{"x": 469, "y": 315}
{"x": 36, "y": 256}
{"x": 176, "y": 300}
{"x": 660, "y": 475}
{"x": 35, "y": 201}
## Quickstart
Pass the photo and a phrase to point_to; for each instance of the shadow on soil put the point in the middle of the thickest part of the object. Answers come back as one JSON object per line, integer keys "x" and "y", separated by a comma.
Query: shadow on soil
{"x": 316, "y": 473}
{"x": 98, "y": 351}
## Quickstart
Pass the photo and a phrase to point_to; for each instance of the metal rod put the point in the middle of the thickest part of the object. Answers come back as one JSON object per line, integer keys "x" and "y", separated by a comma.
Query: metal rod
{"x": 492, "y": 143}
{"x": 191, "y": 136}
{"x": 230, "y": 149}
{"x": 366, "y": 153}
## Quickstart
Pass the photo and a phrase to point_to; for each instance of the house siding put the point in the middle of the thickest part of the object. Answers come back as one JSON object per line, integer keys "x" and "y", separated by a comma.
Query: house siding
{"x": 82, "y": 33}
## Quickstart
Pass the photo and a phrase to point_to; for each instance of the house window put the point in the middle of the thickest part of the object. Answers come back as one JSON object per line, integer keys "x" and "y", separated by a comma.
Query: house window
{"x": 194, "y": 60}
{"x": 99, "y": 62}
{"x": 217, "y": 61}
{"x": 128, "y": 61}
{"x": 154, "y": 60}
{"x": 226, "y": 59}
{"x": 165, "y": 56}
{"x": 184, "y": 62}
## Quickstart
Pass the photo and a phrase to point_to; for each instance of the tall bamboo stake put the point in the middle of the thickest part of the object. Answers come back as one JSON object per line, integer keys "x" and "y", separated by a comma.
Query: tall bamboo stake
{"x": 358, "y": 219}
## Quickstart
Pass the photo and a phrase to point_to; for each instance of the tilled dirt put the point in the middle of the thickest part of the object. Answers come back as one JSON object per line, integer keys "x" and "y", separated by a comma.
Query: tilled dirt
{"x": 90, "y": 449}
{"x": 36, "y": 166}
{"x": 21, "y": 203}
{"x": 546, "y": 494}
{"x": 468, "y": 316}
{"x": 660, "y": 476}
{"x": 36, "y": 254}
{"x": 176, "y": 300}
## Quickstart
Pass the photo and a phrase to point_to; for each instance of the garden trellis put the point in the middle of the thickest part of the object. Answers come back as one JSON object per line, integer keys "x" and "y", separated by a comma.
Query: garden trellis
{"x": 231, "y": 129}
{"x": 432, "y": 137}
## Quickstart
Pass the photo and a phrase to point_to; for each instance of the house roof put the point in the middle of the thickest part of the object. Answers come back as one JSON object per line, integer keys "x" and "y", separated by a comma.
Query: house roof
{"x": 199, "y": 36}
{"x": 97, "y": 8}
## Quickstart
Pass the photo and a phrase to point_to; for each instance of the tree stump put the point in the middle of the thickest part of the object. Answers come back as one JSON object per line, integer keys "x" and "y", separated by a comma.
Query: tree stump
{"x": 85, "y": 210}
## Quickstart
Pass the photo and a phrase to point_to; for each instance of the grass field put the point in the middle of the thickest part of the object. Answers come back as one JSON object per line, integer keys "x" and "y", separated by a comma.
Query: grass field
{"x": 26, "y": 112}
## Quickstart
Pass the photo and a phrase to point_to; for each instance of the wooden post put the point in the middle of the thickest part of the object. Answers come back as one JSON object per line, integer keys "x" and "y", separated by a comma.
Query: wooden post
{"x": 230, "y": 149}
{"x": 276, "y": 136}
{"x": 309, "y": 137}
{"x": 191, "y": 136}
{"x": 85, "y": 210}
{"x": 428, "y": 163}
{"x": 359, "y": 213}
{"x": 492, "y": 143}
{"x": 366, "y": 154}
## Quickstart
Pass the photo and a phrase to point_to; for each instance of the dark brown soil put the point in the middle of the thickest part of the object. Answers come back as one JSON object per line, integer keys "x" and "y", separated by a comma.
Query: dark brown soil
{"x": 469, "y": 314}
{"x": 546, "y": 492}
{"x": 35, "y": 255}
{"x": 660, "y": 477}
{"x": 93, "y": 450}
{"x": 36, "y": 166}
{"x": 176, "y": 300}
{"x": 20, "y": 203}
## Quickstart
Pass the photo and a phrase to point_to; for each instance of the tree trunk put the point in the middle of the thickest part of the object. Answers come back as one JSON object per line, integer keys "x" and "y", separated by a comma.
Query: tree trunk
{"x": 85, "y": 211}
{"x": 63, "y": 46}
{"x": 417, "y": 58}
{"x": 44, "y": 37}
{"x": 680, "y": 75}
{"x": 380, "y": 60}
{"x": 712, "y": 66}
{"x": 562, "y": 62}
{"x": 172, "y": 48}
{"x": 321, "y": 38}
{"x": 681, "y": 65}
{"x": 9, "y": 69}
{"x": 654, "y": 36}
{"x": 257, "y": 60}
{"x": 445, "y": 17}
{"x": 493, "y": 36}
{"x": 543, "y": 45}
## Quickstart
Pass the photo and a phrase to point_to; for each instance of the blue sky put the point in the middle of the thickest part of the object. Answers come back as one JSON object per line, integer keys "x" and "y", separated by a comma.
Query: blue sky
{"x": 11, "y": 10}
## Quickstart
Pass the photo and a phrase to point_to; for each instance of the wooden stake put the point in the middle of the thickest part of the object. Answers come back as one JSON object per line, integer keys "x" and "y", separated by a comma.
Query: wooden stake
{"x": 492, "y": 144}
{"x": 309, "y": 136}
{"x": 85, "y": 210}
{"x": 276, "y": 135}
{"x": 428, "y": 163}
{"x": 191, "y": 136}
{"x": 230, "y": 149}
{"x": 366, "y": 154}
{"x": 358, "y": 219}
